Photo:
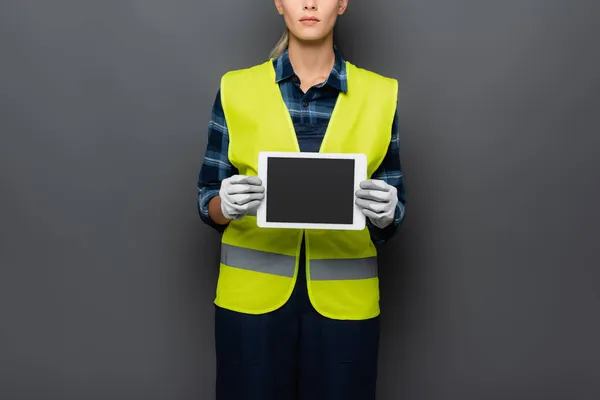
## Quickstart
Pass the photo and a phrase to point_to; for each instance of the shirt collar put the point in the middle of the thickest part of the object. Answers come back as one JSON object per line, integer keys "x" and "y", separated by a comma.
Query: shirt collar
{"x": 337, "y": 77}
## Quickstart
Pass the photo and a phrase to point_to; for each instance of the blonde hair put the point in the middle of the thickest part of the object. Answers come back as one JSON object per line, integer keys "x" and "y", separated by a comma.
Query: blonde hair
{"x": 281, "y": 45}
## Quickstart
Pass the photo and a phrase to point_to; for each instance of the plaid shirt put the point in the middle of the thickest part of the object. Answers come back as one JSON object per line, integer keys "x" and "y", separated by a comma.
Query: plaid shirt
{"x": 310, "y": 113}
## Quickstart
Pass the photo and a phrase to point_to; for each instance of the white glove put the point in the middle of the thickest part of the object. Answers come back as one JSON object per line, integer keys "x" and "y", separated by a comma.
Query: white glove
{"x": 240, "y": 194}
{"x": 378, "y": 201}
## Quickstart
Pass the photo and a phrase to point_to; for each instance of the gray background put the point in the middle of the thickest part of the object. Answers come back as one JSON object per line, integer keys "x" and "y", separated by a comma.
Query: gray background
{"x": 107, "y": 274}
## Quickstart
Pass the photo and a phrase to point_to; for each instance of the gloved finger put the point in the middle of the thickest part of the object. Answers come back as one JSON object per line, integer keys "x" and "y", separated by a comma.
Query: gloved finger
{"x": 249, "y": 206}
{"x": 370, "y": 214}
{"x": 374, "y": 195}
{"x": 380, "y": 221}
{"x": 244, "y": 188}
{"x": 371, "y": 205}
{"x": 244, "y": 198}
{"x": 375, "y": 184}
{"x": 245, "y": 179}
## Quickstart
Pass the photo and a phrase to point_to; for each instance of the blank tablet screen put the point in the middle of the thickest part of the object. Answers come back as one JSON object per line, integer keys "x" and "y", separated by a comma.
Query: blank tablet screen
{"x": 310, "y": 190}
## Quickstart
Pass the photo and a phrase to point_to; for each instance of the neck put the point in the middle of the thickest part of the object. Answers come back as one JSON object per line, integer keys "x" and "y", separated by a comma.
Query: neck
{"x": 312, "y": 58}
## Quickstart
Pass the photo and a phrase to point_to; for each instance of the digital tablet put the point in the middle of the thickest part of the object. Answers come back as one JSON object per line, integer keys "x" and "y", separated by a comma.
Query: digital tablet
{"x": 311, "y": 190}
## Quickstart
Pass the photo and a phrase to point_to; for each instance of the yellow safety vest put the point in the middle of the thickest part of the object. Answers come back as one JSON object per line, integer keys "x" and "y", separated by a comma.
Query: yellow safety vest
{"x": 259, "y": 266}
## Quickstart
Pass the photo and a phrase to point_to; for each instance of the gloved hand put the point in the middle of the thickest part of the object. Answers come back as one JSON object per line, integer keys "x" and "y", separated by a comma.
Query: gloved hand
{"x": 240, "y": 194}
{"x": 377, "y": 200}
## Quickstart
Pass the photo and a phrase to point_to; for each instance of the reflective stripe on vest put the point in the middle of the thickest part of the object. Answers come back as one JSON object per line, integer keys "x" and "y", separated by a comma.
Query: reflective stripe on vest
{"x": 259, "y": 261}
{"x": 342, "y": 269}
{"x": 282, "y": 265}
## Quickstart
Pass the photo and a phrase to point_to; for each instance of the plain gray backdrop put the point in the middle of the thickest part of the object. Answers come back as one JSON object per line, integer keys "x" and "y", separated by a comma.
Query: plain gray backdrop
{"x": 107, "y": 275}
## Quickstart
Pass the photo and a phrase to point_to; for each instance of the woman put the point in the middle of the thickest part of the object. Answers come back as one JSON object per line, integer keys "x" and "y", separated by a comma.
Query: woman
{"x": 281, "y": 332}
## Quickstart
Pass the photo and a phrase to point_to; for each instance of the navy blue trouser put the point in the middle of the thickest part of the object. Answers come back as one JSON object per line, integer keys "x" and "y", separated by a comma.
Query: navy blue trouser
{"x": 294, "y": 353}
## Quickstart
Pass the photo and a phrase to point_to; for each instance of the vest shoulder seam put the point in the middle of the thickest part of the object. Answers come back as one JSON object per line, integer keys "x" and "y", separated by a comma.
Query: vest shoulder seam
{"x": 243, "y": 71}
{"x": 372, "y": 73}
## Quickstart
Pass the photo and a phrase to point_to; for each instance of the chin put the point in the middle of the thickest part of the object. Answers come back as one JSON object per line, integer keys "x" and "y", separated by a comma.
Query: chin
{"x": 311, "y": 37}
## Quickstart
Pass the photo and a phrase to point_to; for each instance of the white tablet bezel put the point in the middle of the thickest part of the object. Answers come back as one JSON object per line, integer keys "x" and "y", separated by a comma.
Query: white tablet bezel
{"x": 360, "y": 174}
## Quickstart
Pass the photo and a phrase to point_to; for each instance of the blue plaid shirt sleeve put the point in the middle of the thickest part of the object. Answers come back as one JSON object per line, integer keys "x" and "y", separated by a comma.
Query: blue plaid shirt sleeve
{"x": 390, "y": 171}
{"x": 216, "y": 165}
